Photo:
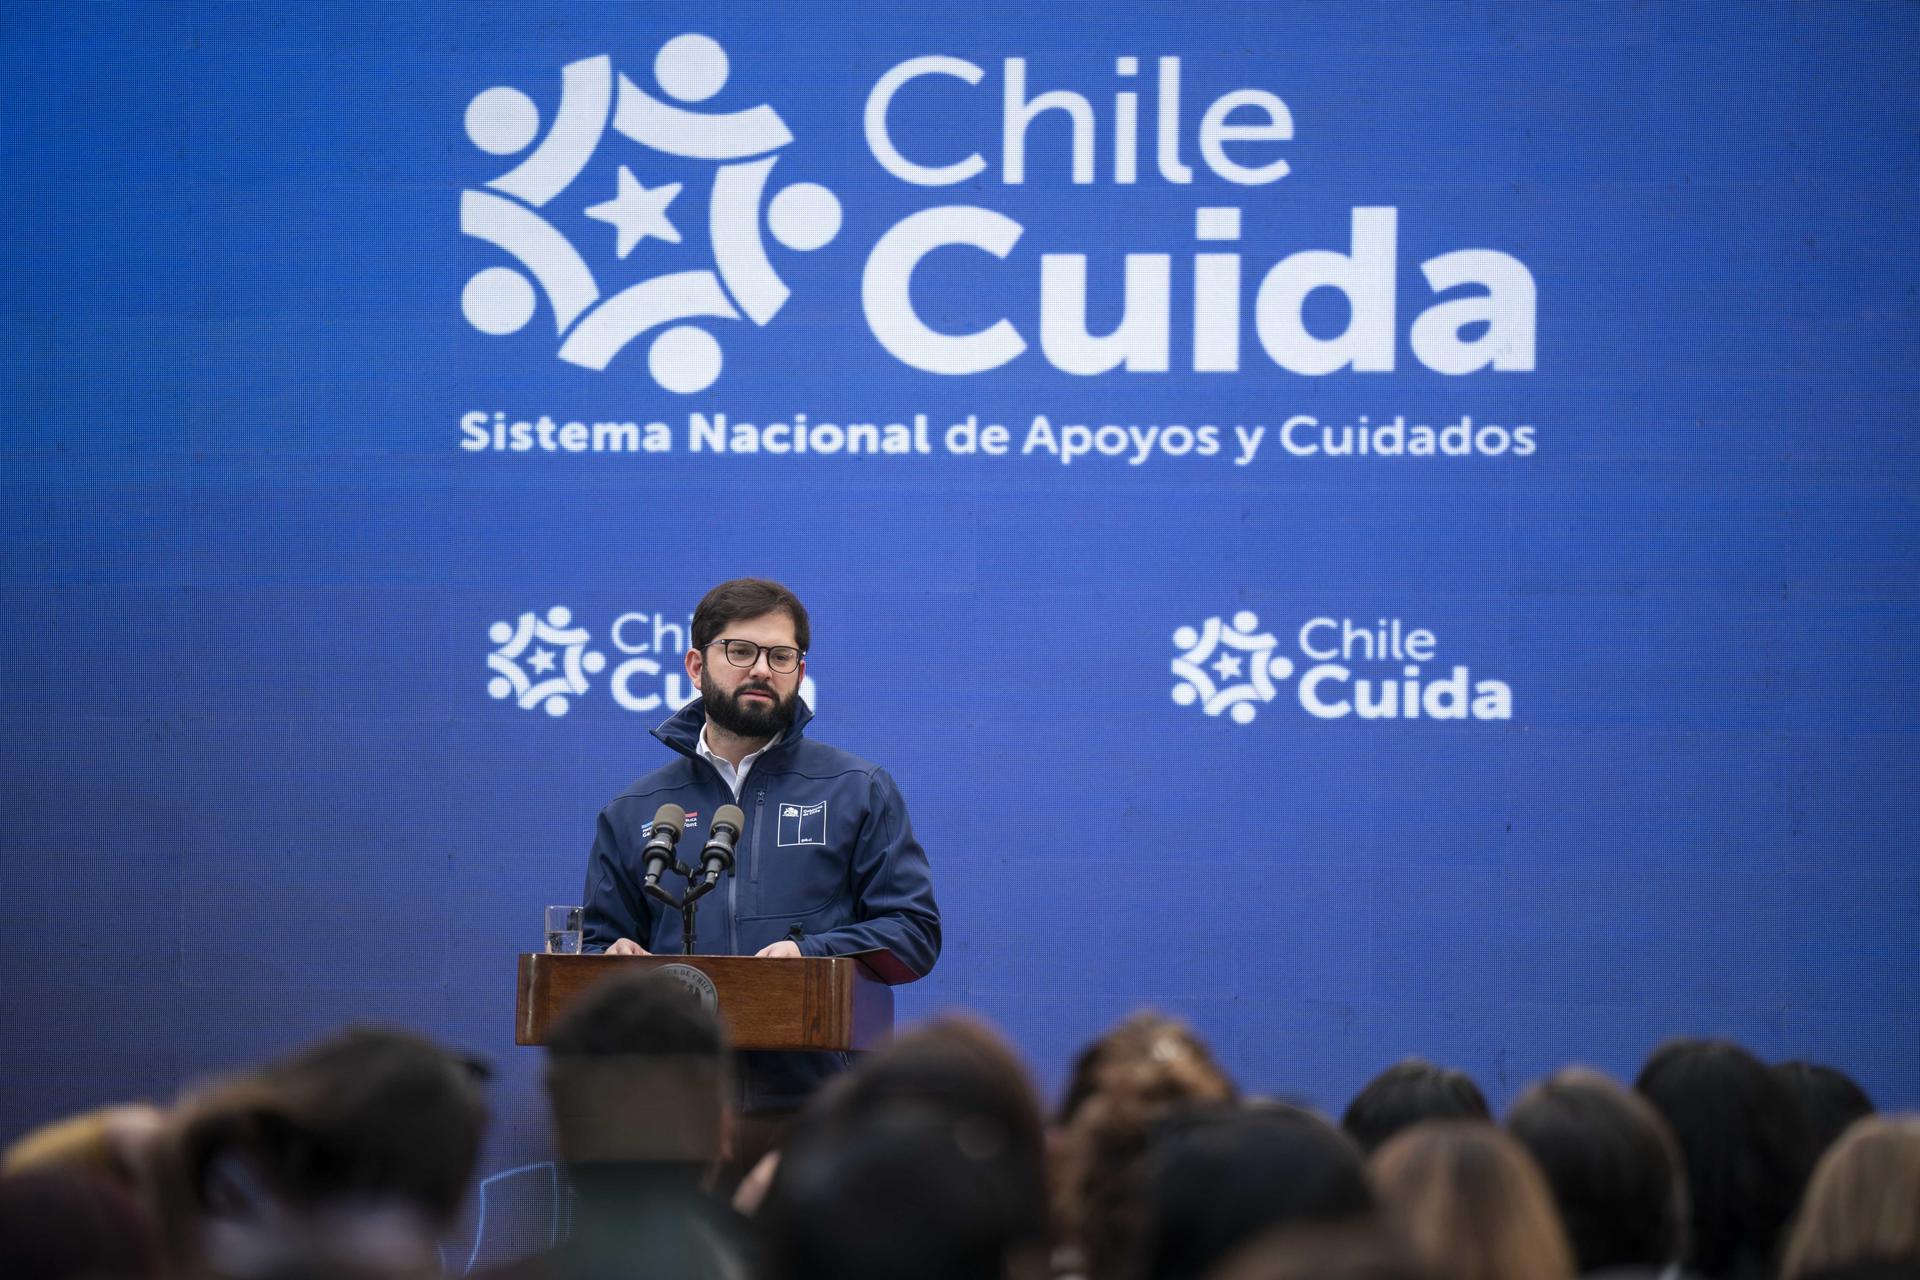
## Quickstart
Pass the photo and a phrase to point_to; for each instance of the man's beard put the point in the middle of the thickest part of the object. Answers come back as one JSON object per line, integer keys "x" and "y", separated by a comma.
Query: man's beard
{"x": 748, "y": 720}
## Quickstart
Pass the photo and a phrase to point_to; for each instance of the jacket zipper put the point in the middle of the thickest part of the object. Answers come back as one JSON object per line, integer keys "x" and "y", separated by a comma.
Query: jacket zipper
{"x": 733, "y": 899}
{"x": 759, "y": 807}
{"x": 733, "y": 913}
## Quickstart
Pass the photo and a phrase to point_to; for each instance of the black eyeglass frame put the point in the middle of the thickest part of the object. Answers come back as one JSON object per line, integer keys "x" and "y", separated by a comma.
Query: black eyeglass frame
{"x": 799, "y": 655}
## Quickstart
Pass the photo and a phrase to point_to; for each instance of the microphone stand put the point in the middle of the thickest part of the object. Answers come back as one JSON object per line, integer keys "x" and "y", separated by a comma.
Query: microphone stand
{"x": 694, "y": 893}
{"x": 684, "y": 904}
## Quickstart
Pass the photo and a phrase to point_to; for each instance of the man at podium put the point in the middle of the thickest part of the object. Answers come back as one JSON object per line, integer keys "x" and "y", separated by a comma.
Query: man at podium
{"x": 825, "y": 863}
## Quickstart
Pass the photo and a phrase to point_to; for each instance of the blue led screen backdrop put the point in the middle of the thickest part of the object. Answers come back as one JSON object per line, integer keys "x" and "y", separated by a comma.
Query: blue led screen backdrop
{"x": 1378, "y": 531}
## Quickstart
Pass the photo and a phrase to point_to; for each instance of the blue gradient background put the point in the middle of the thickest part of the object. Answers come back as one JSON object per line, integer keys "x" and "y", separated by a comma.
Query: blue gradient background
{"x": 254, "y": 786}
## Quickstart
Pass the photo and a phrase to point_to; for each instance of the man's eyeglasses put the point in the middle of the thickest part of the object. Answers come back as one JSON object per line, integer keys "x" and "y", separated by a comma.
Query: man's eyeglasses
{"x": 782, "y": 658}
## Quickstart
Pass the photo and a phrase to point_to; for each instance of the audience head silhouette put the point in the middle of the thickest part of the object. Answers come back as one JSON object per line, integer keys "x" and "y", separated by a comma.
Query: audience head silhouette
{"x": 1743, "y": 1140}
{"x": 926, "y": 1160}
{"x": 637, "y": 1074}
{"x": 1612, "y": 1167}
{"x": 1218, "y": 1178}
{"x": 366, "y": 1137}
{"x": 1469, "y": 1201}
{"x": 1863, "y": 1203}
{"x": 1830, "y": 1099}
{"x": 350, "y": 1160}
{"x": 1406, "y": 1093}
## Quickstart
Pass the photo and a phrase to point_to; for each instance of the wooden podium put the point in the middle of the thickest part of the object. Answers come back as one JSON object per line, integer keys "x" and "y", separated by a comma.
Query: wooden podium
{"x": 804, "y": 1003}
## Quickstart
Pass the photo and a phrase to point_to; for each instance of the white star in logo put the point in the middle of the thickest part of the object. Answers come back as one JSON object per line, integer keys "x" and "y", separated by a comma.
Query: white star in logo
{"x": 637, "y": 213}
{"x": 1228, "y": 667}
{"x": 542, "y": 660}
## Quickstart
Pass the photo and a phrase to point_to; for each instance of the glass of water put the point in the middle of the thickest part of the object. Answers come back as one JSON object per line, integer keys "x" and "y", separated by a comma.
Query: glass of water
{"x": 563, "y": 931}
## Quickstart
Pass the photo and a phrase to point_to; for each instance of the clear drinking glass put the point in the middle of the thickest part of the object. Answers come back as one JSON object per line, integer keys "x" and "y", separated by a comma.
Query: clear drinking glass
{"x": 563, "y": 931}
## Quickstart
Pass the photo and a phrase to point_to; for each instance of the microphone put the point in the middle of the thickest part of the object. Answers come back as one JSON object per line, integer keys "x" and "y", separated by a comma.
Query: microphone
{"x": 668, "y": 822}
{"x": 717, "y": 857}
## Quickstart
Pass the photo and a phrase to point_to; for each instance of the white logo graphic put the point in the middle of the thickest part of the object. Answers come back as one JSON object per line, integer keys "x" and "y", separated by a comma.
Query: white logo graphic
{"x": 593, "y": 329}
{"x": 1239, "y": 678}
{"x": 801, "y": 824}
{"x": 1348, "y": 669}
{"x": 576, "y": 661}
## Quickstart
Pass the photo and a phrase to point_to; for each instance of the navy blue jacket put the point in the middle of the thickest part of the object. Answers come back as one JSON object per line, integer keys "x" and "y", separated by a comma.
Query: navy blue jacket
{"x": 827, "y": 858}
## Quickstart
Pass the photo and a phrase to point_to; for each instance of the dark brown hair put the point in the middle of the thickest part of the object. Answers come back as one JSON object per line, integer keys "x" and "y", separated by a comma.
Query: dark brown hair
{"x": 1140, "y": 1036}
{"x": 1344, "y": 1252}
{"x": 1743, "y": 1140}
{"x": 1406, "y": 1093}
{"x": 369, "y": 1115}
{"x": 925, "y": 1160}
{"x": 638, "y": 1074}
{"x": 1139, "y": 1073}
{"x": 1613, "y": 1168}
{"x": 748, "y": 598}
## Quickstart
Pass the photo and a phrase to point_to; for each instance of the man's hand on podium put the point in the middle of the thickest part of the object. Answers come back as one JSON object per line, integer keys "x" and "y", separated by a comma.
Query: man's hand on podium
{"x": 785, "y": 949}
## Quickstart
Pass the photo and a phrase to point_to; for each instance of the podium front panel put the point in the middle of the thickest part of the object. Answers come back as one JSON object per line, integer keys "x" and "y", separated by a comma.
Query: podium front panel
{"x": 827, "y": 1003}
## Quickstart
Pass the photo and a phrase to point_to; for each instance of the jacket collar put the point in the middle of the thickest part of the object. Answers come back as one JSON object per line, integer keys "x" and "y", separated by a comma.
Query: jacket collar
{"x": 681, "y": 730}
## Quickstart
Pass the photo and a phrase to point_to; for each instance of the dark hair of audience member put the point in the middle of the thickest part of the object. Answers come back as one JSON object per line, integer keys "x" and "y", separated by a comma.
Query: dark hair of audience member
{"x": 638, "y": 1077}
{"x": 1743, "y": 1141}
{"x": 1869, "y": 1271}
{"x": 1830, "y": 1099}
{"x": 926, "y": 1160}
{"x": 60, "y": 1222}
{"x": 959, "y": 1067}
{"x": 365, "y": 1118}
{"x": 1469, "y": 1201}
{"x": 1345, "y": 1252}
{"x": 1152, "y": 1067}
{"x": 637, "y": 1074}
{"x": 1612, "y": 1167}
{"x": 1863, "y": 1202}
{"x": 1406, "y": 1093}
{"x": 1220, "y": 1177}
{"x": 1137, "y": 1037}
{"x": 901, "y": 1190}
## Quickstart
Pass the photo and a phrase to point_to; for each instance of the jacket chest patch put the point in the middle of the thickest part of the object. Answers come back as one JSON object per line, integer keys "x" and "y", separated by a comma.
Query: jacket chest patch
{"x": 801, "y": 824}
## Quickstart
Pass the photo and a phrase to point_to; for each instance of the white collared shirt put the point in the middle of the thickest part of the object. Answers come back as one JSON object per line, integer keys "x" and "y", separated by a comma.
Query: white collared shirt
{"x": 735, "y": 778}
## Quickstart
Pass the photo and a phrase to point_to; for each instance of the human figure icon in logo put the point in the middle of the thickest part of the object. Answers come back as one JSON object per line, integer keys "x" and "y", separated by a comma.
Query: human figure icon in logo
{"x": 1228, "y": 667}
{"x": 528, "y": 638}
{"x": 682, "y": 357}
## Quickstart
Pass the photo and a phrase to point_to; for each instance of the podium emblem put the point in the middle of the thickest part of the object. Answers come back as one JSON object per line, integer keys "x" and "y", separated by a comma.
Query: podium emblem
{"x": 698, "y": 984}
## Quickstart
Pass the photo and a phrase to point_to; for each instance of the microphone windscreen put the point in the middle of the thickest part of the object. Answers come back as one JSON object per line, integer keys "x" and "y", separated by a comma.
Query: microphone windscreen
{"x": 670, "y": 817}
{"x": 729, "y": 815}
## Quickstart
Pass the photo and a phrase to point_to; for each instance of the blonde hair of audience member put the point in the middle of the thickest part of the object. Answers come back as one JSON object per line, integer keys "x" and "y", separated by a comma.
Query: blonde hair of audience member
{"x": 112, "y": 1142}
{"x": 1863, "y": 1203}
{"x": 1471, "y": 1203}
{"x": 1144, "y": 1068}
